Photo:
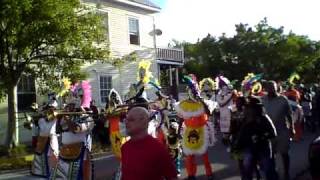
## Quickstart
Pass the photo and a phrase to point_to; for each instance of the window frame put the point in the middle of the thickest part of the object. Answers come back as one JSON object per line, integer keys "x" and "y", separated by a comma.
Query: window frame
{"x": 26, "y": 87}
{"x": 106, "y": 12}
{"x": 129, "y": 30}
{"x": 100, "y": 89}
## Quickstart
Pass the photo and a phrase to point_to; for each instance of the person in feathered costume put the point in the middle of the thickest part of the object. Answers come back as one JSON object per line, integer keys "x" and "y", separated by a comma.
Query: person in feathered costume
{"x": 46, "y": 144}
{"x": 167, "y": 127}
{"x": 294, "y": 97}
{"x": 225, "y": 101}
{"x": 251, "y": 85}
{"x": 292, "y": 91}
{"x": 75, "y": 126}
{"x": 160, "y": 109}
{"x": 137, "y": 96}
{"x": 196, "y": 131}
{"x": 137, "y": 93}
{"x": 114, "y": 117}
{"x": 208, "y": 88}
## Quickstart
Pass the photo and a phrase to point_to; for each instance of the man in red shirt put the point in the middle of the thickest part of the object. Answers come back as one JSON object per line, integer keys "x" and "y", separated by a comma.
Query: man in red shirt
{"x": 143, "y": 157}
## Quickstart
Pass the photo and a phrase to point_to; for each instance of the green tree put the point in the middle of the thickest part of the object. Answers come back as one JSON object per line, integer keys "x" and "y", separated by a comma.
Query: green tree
{"x": 258, "y": 49}
{"x": 41, "y": 38}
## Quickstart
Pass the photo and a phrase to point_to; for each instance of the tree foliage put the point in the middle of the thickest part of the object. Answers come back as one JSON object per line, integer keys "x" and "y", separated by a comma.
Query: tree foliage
{"x": 47, "y": 39}
{"x": 262, "y": 49}
{"x": 41, "y": 37}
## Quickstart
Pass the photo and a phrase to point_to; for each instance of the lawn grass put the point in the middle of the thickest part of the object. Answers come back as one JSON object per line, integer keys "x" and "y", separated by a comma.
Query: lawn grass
{"x": 21, "y": 157}
{"x": 18, "y": 158}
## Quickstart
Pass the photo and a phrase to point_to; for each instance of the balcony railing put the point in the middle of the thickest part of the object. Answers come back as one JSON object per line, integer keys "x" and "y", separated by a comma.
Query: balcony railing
{"x": 171, "y": 55}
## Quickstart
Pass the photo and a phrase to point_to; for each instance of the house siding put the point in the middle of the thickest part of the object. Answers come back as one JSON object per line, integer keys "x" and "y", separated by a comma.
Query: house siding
{"x": 118, "y": 30}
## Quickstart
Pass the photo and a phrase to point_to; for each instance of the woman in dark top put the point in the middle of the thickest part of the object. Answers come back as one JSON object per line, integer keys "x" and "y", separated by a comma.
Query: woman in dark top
{"x": 254, "y": 142}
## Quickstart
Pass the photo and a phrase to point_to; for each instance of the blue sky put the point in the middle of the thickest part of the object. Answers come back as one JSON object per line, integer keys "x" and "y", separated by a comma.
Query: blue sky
{"x": 160, "y": 3}
{"x": 190, "y": 20}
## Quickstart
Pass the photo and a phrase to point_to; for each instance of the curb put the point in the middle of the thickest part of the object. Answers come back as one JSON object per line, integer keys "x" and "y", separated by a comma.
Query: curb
{"x": 95, "y": 156}
{"x": 98, "y": 155}
{"x": 13, "y": 170}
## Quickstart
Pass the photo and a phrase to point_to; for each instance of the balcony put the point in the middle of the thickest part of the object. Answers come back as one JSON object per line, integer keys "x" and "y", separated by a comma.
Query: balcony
{"x": 170, "y": 56}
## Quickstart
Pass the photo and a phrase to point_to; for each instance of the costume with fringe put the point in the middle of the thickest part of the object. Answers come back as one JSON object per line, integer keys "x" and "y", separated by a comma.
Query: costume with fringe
{"x": 224, "y": 99}
{"x": 114, "y": 115}
{"x": 46, "y": 141}
{"x": 294, "y": 98}
{"x": 74, "y": 155}
{"x": 47, "y": 148}
{"x": 173, "y": 140}
{"x": 196, "y": 129}
{"x": 165, "y": 127}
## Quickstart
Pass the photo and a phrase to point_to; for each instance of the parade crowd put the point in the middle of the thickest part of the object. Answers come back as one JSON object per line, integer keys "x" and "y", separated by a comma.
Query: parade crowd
{"x": 154, "y": 138}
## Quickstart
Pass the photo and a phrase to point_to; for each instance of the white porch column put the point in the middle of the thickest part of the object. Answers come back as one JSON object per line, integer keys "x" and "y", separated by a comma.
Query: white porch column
{"x": 177, "y": 76}
{"x": 170, "y": 75}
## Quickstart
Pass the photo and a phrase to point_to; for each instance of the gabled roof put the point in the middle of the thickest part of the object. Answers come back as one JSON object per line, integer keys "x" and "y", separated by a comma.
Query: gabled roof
{"x": 146, "y": 2}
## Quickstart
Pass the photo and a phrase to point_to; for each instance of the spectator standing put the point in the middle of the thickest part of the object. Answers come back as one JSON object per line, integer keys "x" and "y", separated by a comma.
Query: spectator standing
{"x": 143, "y": 157}
{"x": 278, "y": 109}
{"x": 254, "y": 142}
{"x": 306, "y": 103}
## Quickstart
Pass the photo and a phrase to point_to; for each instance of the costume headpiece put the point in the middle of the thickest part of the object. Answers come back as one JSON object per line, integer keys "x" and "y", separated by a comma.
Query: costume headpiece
{"x": 66, "y": 85}
{"x": 251, "y": 84}
{"x": 222, "y": 81}
{"x": 211, "y": 85}
{"x": 113, "y": 92}
{"x": 293, "y": 77}
{"x": 52, "y": 100}
{"x": 191, "y": 81}
{"x": 144, "y": 73}
{"x": 83, "y": 90}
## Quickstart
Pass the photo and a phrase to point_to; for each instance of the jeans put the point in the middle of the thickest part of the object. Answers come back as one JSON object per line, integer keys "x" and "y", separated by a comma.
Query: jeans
{"x": 264, "y": 159}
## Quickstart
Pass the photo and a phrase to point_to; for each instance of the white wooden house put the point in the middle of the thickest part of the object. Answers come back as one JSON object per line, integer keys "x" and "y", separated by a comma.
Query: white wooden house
{"x": 130, "y": 24}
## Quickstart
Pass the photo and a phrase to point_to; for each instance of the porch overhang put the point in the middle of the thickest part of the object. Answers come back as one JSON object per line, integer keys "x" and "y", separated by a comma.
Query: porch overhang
{"x": 146, "y": 5}
{"x": 170, "y": 56}
{"x": 168, "y": 62}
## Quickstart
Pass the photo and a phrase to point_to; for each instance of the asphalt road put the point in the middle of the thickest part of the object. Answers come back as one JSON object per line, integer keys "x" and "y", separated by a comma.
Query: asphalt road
{"x": 223, "y": 166}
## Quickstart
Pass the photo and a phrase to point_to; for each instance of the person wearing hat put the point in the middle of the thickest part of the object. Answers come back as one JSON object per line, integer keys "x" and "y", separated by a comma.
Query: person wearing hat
{"x": 225, "y": 102}
{"x": 75, "y": 128}
{"x": 297, "y": 113}
{"x": 254, "y": 142}
{"x": 161, "y": 109}
{"x": 195, "y": 129}
{"x": 46, "y": 146}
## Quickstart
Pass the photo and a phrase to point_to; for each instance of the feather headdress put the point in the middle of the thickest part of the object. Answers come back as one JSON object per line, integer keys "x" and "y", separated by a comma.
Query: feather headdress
{"x": 66, "y": 84}
{"x": 293, "y": 77}
{"x": 251, "y": 83}
{"x": 144, "y": 71}
{"x": 113, "y": 91}
{"x": 82, "y": 89}
{"x": 210, "y": 82}
{"x": 192, "y": 84}
{"x": 222, "y": 81}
